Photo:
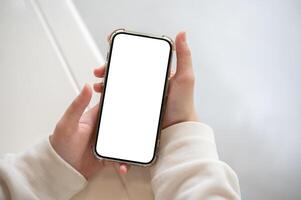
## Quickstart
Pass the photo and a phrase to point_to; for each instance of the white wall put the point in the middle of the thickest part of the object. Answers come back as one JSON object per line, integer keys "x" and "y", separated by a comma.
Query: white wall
{"x": 247, "y": 58}
{"x": 46, "y": 56}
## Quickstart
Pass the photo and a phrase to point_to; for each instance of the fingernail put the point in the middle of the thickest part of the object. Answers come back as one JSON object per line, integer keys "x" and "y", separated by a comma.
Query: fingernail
{"x": 123, "y": 169}
{"x": 86, "y": 87}
{"x": 184, "y": 37}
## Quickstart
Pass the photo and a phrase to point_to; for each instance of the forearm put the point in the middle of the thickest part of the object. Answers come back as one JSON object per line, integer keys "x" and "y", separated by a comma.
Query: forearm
{"x": 188, "y": 166}
{"x": 38, "y": 173}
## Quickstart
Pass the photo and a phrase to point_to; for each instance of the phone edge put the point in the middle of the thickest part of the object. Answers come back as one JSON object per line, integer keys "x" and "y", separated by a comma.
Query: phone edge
{"x": 164, "y": 101}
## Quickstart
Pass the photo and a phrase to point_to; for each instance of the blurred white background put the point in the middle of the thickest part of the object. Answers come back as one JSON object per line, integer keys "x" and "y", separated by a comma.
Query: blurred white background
{"x": 247, "y": 59}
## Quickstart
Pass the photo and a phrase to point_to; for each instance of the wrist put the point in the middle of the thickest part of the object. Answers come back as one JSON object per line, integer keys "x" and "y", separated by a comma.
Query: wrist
{"x": 191, "y": 116}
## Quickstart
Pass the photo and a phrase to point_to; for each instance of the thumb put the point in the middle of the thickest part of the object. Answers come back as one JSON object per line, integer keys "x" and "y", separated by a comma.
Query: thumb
{"x": 78, "y": 106}
{"x": 184, "y": 61}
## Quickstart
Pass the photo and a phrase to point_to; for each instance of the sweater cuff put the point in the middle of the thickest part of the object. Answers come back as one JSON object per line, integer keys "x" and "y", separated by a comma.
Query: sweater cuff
{"x": 49, "y": 174}
{"x": 185, "y": 142}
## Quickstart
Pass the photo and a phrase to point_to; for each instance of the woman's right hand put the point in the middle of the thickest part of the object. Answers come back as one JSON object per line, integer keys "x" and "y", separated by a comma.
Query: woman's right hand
{"x": 180, "y": 103}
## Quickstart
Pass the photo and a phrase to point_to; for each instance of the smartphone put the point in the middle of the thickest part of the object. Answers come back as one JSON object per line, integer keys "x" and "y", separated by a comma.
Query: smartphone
{"x": 134, "y": 96}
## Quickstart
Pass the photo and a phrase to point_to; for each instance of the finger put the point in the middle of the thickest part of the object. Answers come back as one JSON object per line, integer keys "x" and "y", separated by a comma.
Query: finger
{"x": 93, "y": 111}
{"x": 100, "y": 71}
{"x": 98, "y": 87}
{"x": 184, "y": 61}
{"x": 123, "y": 168}
{"x": 90, "y": 116}
{"x": 172, "y": 73}
{"x": 109, "y": 163}
{"x": 78, "y": 106}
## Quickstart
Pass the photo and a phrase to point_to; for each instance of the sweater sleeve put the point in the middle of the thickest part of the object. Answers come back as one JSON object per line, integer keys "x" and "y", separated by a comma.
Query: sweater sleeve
{"x": 188, "y": 166}
{"x": 38, "y": 173}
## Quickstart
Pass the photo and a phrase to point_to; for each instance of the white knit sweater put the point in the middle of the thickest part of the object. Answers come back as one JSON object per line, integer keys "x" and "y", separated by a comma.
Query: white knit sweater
{"x": 187, "y": 168}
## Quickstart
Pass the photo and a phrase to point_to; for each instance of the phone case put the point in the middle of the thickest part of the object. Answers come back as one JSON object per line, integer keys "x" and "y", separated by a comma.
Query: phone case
{"x": 164, "y": 98}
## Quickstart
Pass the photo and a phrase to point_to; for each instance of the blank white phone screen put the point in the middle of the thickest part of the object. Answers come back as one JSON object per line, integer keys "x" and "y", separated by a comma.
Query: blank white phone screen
{"x": 133, "y": 97}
